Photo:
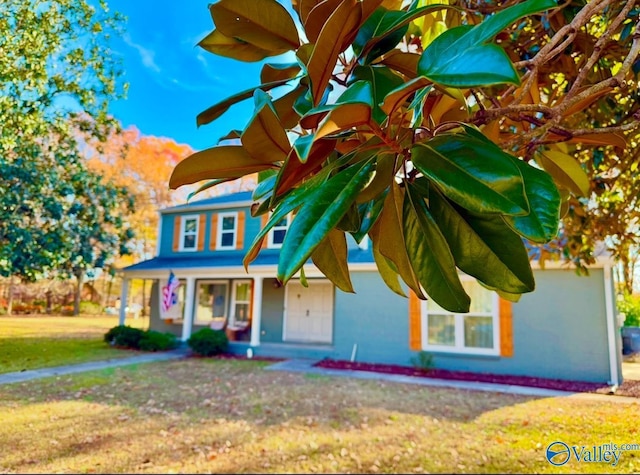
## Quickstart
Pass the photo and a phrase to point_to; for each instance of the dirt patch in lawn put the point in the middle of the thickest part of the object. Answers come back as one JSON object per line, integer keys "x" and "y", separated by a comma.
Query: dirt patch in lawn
{"x": 628, "y": 388}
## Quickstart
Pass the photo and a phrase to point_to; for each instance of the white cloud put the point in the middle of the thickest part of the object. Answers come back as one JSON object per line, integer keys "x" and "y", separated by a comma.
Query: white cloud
{"x": 146, "y": 55}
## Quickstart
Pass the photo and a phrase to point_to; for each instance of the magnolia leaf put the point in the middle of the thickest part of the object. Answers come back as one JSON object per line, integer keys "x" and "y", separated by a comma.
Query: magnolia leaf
{"x": 565, "y": 170}
{"x": 317, "y": 18}
{"x": 263, "y": 23}
{"x": 225, "y": 161}
{"x": 474, "y": 173}
{"x": 295, "y": 170}
{"x": 611, "y": 138}
{"x": 369, "y": 213}
{"x": 430, "y": 255}
{"x": 207, "y": 185}
{"x": 233, "y": 135}
{"x": 215, "y": 111}
{"x": 277, "y": 72}
{"x": 385, "y": 170}
{"x": 265, "y": 186}
{"x": 264, "y": 137}
{"x": 483, "y": 246}
{"x": 461, "y": 58}
{"x": 385, "y": 266}
{"x": 222, "y": 45}
{"x": 284, "y": 108}
{"x": 318, "y": 215}
{"x": 344, "y": 117}
{"x": 330, "y": 257}
{"x": 541, "y": 224}
{"x": 358, "y": 94}
{"x": 391, "y": 240}
{"x": 383, "y": 80}
{"x": 342, "y": 22}
{"x": 404, "y": 63}
{"x": 398, "y": 96}
{"x": 586, "y": 102}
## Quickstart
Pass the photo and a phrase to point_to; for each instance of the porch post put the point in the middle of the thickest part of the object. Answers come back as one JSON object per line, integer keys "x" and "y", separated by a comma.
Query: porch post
{"x": 187, "y": 318}
{"x": 256, "y": 306}
{"x": 124, "y": 297}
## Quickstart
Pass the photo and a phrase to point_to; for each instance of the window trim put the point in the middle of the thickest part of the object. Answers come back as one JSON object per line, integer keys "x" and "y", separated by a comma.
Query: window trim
{"x": 198, "y": 282}
{"x": 458, "y": 347}
{"x": 221, "y": 231}
{"x": 233, "y": 301}
{"x": 183, "y": 233}
{"x": 275, "y": 245}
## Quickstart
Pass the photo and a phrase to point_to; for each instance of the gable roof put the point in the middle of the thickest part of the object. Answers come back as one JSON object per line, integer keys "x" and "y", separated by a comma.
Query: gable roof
{"x": 242, "y": 198}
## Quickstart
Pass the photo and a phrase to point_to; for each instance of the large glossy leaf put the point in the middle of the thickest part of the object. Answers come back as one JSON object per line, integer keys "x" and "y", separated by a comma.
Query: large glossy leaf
{"x": 402, "y": 62}
{"x": 263, "y": 23}
{"x": 566, "y": 170}
{"x": 391, "y": 240}
{"x": 474, "y": 173}
{"x": 318, "y": 215}
{"x": 369, "y": 213}
{"x": 277, "y": 72}
{"x": 331, "y": 258}
{"x": 386, "y": 268}
{"x": 284, "y": 107}
{"x": 385, "y": 28}
{"x": 357, "y": 99}
{"x": 430, "y": 255}
{"x": 317, "y": 17}
{"x": 483, "y": 246}
{"x": 216, "y": 110}
{"x": 398, "y": 96}
{"x": 222, "y": 45}
{"x": 342, "y": 22}
{"x": 385, "y": 171}
{"x": 541, "y": 224}
{"x": 460, "y": 56}
{"x": 296, "y": 170}
{"x": 225, "y": 161}
{"x": 264, "y": 138}
{"x": 208, "y": 185}
{"x": 383, "y": 80}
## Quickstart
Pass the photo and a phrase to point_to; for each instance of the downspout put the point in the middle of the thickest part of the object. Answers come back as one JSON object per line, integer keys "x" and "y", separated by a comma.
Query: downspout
{"x": 611, "y": 328}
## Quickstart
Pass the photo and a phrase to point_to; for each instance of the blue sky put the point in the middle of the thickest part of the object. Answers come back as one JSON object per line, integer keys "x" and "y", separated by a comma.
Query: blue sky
{"x": 170, "y": 79}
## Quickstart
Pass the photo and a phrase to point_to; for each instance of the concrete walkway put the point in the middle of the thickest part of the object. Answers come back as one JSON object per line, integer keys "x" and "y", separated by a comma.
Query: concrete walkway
{"x": 21, "y": 376}
{"x": 307, "y": 366}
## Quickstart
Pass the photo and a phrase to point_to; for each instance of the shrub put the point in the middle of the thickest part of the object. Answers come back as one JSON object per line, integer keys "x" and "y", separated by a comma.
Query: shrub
{"x": 90, "y": 308}
{"x": 124, "y": 336}
{"x": 423, "y": 361}
{"x": 208, "y": 342}
{"x": 630, "y": 306}
{"x": 156, "y": 341}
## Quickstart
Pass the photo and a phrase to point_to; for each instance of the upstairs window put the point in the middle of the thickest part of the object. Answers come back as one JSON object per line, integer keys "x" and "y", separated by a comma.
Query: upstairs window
{"x": 278, "y": 232}
{"x": 227, "y": 230}
{"x": 189, "y": 233}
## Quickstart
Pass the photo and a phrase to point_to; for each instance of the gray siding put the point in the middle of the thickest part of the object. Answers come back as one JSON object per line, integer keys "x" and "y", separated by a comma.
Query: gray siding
{"x": 272, "y": 310}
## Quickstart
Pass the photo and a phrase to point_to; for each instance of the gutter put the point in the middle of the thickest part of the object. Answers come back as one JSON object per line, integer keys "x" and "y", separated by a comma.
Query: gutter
{"x": 611, "y": 328}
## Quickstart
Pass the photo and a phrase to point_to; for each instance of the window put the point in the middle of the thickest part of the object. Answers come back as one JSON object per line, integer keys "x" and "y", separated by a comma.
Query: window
{"x": 241, "y": 302}
{"x": 227, "y": 230}
{"x": 277, "y": 233}
{"x": 189, "y": 233}
{"x": 474, "y": 332}
{"x": 211, "y": 303}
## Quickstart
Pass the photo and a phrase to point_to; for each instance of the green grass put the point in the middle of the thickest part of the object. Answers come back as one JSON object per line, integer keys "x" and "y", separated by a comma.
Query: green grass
{"x": 220, "y": 416}
{"x": 33, "y": 342}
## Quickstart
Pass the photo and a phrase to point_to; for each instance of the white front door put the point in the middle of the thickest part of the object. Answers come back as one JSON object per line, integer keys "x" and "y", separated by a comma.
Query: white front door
{"x": 309, "y": 312}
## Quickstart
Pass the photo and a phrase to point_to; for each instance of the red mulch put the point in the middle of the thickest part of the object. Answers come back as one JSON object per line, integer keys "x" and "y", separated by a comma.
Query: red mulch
{"x": 628, "y": 388}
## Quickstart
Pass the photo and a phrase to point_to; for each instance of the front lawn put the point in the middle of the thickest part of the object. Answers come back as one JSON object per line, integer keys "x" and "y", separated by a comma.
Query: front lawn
{"x": 32, "y": 342}
{"x": 232, "y": 416}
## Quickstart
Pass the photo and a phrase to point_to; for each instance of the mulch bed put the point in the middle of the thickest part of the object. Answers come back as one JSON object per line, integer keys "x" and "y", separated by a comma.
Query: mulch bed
{"x": 628, "y": 388}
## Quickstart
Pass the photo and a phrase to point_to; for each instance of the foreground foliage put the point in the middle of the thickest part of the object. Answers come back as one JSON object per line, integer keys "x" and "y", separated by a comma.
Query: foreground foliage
{"x": 222, "y": 416}
{"x": 430, "y": 128}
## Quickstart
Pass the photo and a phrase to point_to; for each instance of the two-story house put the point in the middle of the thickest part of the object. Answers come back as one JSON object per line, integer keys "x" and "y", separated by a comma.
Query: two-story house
{"x": 565, "y": 329}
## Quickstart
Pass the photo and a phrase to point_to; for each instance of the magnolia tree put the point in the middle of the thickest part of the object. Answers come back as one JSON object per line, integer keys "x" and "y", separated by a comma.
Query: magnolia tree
{"x": 447, "y": 133}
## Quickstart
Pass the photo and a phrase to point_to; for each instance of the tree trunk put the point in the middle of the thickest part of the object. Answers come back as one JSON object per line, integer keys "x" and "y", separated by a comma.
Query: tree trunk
{"x": 76, "y": 300}
{"x": 10, "y": 299}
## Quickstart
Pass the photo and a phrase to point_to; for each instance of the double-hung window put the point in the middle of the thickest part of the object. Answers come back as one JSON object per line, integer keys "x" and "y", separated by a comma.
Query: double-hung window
{"x": 211, "y": 303}
{"x": 241, "y": 302}
{"x": 227, "y": 230}
{"x": 189, "y": 233}
{"x": 476, "y": 332}
{"x": 278, "y": 232}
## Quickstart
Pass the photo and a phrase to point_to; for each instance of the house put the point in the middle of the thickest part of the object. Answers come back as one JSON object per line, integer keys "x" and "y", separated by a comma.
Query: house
{"x": 565, "y": 329}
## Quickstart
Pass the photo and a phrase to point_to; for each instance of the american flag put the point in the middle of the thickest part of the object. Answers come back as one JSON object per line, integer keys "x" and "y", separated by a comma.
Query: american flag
{"x": 169, "y": 296}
